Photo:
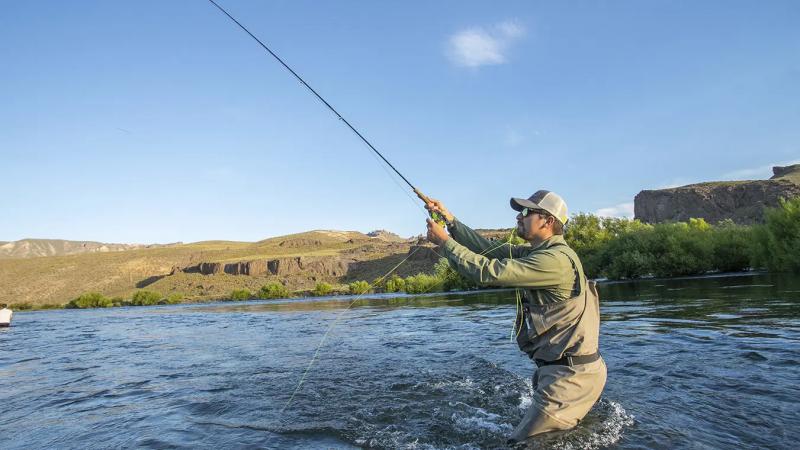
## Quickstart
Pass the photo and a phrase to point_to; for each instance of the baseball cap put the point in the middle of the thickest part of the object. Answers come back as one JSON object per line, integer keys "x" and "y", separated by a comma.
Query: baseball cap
{"x": 546, "y": 200}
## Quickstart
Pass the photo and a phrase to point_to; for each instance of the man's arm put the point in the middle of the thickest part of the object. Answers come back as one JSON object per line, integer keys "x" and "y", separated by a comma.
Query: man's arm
{"x": 538, "y": 270}
{"x": 469, "y": 238}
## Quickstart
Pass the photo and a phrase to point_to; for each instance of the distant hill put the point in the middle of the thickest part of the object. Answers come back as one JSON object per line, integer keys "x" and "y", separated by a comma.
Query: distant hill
{"x": 40, "y": 272}
{"x": 386, "y": 236}
{"x": 30, "y": 248}
{"x": 740, "y": 201}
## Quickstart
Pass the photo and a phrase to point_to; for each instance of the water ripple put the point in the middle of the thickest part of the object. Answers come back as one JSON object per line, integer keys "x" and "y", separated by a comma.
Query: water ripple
{"x": 692, "y": 363}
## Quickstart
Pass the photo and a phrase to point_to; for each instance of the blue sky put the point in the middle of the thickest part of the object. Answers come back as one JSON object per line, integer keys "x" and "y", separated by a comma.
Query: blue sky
{"x": 155, "y": 121}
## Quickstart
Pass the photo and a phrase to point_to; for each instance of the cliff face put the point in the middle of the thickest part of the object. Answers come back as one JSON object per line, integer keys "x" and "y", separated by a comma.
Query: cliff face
{"x": 332, "y": 266}
{"x": 741, "y": 201}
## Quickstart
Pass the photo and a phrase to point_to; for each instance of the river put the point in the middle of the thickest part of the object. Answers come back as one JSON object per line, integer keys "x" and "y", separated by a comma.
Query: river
{"x": 692, "y": 363}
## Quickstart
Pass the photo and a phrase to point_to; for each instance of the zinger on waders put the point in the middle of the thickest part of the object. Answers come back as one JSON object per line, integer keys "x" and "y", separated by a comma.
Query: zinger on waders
{"x": 559, "y": 322}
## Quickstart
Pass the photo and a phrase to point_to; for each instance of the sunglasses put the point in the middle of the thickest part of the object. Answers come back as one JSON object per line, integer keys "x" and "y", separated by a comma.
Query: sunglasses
{"x": 527, "y": 211}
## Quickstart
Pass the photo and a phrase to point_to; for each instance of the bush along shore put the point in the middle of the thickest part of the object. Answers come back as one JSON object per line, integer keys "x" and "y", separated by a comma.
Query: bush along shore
{"x": 610, "y": 248}
{"x": 628, "y": 249}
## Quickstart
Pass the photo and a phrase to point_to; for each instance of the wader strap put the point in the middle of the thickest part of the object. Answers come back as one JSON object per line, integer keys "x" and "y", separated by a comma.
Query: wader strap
{"x": 579, "y": 289}
{"x": 569, "y": 360}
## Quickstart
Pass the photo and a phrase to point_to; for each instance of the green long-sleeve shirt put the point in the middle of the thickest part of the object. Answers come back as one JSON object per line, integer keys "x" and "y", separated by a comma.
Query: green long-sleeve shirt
{"x": 547, "y": 269}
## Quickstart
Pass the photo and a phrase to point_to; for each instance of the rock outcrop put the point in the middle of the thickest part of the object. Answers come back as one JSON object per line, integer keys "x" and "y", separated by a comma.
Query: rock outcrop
{"x": 210, "y": 268}
{"x": 385, "y": 236}
{"x": 332, "y": 266}
{"x": 257, "y": 267}
{"x": 740, "y": 201}
{"x": 423, "y": 252}
{"x": 300, "y": 242}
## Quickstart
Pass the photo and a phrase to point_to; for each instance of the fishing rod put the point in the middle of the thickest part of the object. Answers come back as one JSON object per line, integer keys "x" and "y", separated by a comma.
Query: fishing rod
{"x": 437, "y": 217}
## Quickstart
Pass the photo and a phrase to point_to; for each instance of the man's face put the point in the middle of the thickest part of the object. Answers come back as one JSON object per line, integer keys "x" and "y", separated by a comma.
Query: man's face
{"x": 532, "y": 225}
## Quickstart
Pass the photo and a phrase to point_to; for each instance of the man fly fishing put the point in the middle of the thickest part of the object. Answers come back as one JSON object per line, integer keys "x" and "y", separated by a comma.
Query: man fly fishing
{"x": 558, "y": 325}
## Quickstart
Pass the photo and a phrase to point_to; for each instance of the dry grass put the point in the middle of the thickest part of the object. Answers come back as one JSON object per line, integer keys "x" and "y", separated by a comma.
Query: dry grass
{"x": 59, "y": 279}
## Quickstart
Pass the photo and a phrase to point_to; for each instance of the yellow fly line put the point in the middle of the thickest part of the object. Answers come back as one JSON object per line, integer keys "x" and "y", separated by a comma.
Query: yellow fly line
{"x": 378, "y": 281}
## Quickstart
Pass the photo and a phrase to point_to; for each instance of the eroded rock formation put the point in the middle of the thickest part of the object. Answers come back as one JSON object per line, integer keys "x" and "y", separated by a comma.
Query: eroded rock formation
{"x": 423, "y": 252}
{"x": 741, "y": 201}
{"x": 210, "y": 268}
{"x": 329, "y": 266}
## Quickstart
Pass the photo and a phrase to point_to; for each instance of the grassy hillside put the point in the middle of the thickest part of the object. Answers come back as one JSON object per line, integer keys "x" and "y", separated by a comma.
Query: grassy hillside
{"x": 794, "y": 177}
{"x": 58, "y": 279}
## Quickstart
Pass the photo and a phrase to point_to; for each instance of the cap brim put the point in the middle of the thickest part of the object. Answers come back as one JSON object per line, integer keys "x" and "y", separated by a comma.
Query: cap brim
{"x": 517, "y": 204}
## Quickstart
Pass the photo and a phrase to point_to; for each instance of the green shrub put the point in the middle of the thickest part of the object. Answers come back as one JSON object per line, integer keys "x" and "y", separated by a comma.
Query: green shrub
{"x": 682, "y": 248}
{"x": 778, "y": 240}
{"x": 622, "y": 248}
{"x": 20, "y": 306}
{"x": 422, "y": 283}
{"x": 664, "y": 250}
{"x": 627, "y": 256}
{"x": 90, "y": 300}
{"x": 175, "y": 297}
{"x": 273, "y": 290}
{"x": 589, "y": 235}
{"x": 322, "y": 289}
{"x": 394, "y": 284}
{"x": 240, "y": 294}
{"x": 145, "y": 298}
{"x": 379, "y": 284}
{"x": 732, "y": 246}
{"x": 359, "y": 287}
{"x": 450, "y": 279}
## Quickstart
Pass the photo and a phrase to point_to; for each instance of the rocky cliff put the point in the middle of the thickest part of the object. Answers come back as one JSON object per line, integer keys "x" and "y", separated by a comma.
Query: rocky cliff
{"x": 741, "y": 201}
{"x": 332, "y": 266}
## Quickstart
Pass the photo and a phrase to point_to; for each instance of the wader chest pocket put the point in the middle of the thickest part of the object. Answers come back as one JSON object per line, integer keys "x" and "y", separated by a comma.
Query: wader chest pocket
{"x": 542, "y": 318}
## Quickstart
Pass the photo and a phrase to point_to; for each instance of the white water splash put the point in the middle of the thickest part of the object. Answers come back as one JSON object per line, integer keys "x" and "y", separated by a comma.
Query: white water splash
{"x": 600, "y": 435}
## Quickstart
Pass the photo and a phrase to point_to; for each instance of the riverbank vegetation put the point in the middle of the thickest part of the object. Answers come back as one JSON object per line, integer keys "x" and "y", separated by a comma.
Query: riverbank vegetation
{"x": 623, "y": 249}
{"x": 611, "y": 248}
{"x": 241, "y": 294}
{"x": 139, "y": 298}
{"x": 273, "y": 290}
{"x": 777, "y": 242}
{"x": 359, "y": 287}
{"x": 322, "y": 289}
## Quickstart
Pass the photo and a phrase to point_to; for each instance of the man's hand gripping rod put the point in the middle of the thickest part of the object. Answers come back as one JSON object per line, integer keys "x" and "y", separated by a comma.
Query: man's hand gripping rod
{"x": 436, "y": 216}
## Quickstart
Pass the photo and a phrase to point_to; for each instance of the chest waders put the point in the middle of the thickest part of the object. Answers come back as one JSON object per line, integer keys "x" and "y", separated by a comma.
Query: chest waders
{"x": 563, "y": 339}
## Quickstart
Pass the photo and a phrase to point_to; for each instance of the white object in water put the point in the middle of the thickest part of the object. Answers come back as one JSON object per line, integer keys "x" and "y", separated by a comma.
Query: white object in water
{"x": 5, "y": 317}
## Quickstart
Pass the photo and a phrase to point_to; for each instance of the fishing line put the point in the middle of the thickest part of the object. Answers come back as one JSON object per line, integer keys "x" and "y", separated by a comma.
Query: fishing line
{"x": 436, "y": 216}
{"x": 330, "y": 327}
{"x": 358, "y": 297}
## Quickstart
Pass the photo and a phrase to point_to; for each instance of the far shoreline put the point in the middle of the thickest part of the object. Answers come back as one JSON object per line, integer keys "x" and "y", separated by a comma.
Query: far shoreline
{"x": 380, "y": 295}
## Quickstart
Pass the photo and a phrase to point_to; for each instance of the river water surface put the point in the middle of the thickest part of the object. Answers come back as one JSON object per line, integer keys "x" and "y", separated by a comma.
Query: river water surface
{"x": 692, "y": 363}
